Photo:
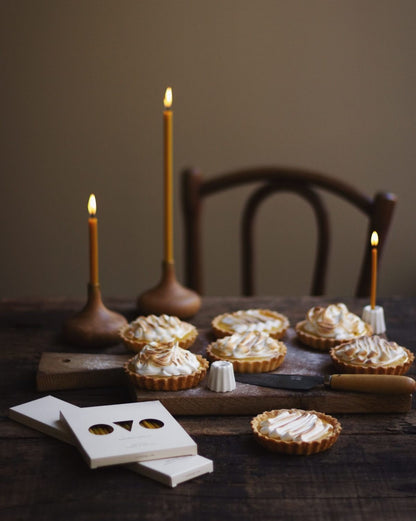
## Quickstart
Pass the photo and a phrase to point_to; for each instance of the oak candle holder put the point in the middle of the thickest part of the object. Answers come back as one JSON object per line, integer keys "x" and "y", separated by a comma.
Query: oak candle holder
{"x": 94, "y": 325}
{"x": 169, "y": 296}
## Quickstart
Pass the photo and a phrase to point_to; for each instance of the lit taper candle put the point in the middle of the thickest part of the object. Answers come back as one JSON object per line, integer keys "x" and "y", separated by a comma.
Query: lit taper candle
{"x": 168, "y": 174}
{"x": 374, "y": 244}
{"x": 92, "y": 225}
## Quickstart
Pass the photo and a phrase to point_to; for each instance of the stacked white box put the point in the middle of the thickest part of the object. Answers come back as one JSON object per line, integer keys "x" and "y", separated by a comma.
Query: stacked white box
{"x": 119, "y": 446}
{"x": 43, "y": 414}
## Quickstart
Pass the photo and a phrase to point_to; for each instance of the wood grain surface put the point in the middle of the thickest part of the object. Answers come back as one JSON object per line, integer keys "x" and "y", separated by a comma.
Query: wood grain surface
{"x": 367, "y": 475}
{"x": 77, "y": 370}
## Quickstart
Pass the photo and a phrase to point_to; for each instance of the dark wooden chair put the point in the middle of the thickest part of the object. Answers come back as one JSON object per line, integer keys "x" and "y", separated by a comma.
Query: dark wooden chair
{"x": 307, "y": 184}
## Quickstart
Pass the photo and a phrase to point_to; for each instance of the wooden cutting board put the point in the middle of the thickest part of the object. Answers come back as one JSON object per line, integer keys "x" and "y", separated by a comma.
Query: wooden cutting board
{"x": 74, "y": 370}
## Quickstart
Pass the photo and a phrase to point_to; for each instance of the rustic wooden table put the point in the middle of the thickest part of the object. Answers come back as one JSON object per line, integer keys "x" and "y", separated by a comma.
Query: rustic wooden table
{"x": 369, "y": 474}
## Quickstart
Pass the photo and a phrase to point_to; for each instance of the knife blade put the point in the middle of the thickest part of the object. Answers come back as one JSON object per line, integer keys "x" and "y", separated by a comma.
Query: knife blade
{"x": 368, "y": 383}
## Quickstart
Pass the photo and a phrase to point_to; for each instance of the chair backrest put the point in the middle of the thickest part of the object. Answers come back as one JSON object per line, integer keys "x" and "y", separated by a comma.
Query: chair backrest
{"x": 268, "y": 180}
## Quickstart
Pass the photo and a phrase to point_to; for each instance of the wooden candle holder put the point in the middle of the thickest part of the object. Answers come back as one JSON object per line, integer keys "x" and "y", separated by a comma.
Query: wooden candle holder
{"x": 169, "y": 296}
{"x": 94, "y": 325}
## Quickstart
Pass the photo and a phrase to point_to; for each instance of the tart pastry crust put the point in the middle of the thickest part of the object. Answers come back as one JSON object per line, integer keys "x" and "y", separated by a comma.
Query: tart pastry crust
{"x": 166, "y": 367}
{"x": 322, "y": 343}
{"x": 169, "y": 383}
{"x": 271, "y": 322}
{"x": 289, "y": 446}
{"x": 157, "y": 328}
{"x": 252, "y": 352}
{"x": 372, "y": 355}
{"x": 328, "y": 327}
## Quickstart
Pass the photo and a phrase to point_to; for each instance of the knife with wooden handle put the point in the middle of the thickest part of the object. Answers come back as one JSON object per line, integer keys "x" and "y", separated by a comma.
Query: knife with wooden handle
{"x": 367, "y": 383}
{"x": 372, "y": 383}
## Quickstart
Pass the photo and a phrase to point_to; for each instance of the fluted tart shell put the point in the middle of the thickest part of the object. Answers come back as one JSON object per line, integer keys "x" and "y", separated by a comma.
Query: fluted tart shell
{"x": 299, "y": 448}
{"x": 220, "y": 329}
{"x": 167, "y": 383}
{"x": 135, "y": 344}
{"x": 371, "y": 368}
{"x": 324, "y": 343}
{"x": 250, "y": 364}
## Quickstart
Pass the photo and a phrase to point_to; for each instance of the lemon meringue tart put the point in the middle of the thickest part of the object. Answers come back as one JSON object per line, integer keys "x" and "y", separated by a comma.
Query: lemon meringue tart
{"x": 249, "y": 352}
{"x": 265, "y": 320}
{"x": 166, "y": 367}
{"x": 326, "y": 327}
{"x": 157, "y": 328}
{"x": 373, "y": 355}
{"x": 295, "y": 431}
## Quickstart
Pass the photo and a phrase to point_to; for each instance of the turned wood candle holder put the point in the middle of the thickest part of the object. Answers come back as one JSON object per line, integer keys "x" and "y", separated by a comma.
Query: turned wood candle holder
{"x": 169, "y": 296}
{"x": 94, "y": 325}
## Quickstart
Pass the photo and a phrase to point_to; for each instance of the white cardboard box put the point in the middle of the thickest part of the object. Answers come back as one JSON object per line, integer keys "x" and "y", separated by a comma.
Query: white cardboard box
{"x": 43, "y": 414}
{"x": 121, "y": 445}
{"x": 172, "y": 471}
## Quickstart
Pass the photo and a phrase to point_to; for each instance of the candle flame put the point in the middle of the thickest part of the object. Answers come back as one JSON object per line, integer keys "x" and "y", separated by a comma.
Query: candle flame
{"x": 374, "y": 239}
{"x": 167, "y": 100}
{"x": 92, "y": 205}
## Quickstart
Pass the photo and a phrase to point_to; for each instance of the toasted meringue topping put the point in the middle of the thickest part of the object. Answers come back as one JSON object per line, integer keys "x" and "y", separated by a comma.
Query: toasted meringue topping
{"x": 251, "y": 320}
{"x": 164, "y": 360}
{"x": 372, "y": 351}
{"x": 334, "y": 321}
{"x": 163, "y": 328}
{"x": 295, "y": 425}
{"x": 251, "y": 344}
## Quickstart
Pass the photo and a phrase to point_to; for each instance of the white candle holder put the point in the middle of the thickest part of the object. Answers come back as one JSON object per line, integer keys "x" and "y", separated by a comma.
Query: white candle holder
{"x": 375, "y": 317}
{"x": 221, "y": 377}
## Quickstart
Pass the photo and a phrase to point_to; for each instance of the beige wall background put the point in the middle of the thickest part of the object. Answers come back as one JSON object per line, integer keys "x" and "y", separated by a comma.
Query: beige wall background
{"x": 324, "y": 84}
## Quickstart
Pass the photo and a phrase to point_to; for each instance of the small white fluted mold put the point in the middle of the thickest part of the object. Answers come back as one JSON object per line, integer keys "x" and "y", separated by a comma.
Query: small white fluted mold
{"x": 375, "y": 317}
{"x": 221, "y": 377}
